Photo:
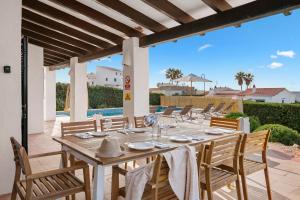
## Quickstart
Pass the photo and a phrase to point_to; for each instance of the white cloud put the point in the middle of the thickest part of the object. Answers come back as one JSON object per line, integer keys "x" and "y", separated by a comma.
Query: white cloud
{"x": 289, "y": 54}
{"x": 275, "y": 65}
{"x": 273, "y": 56}
{"x": 203, "y": 47}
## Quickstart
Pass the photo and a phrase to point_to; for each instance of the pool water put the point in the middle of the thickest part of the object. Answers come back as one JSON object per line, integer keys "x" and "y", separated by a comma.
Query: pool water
{"x": 105, "y": 111}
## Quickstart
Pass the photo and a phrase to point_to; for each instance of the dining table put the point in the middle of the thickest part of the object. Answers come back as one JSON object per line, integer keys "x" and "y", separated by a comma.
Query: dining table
{"x": 86, "y": 149}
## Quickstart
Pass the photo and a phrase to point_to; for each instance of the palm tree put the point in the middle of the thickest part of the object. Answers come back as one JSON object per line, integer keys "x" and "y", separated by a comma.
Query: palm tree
{"x": 248, "y": 78}
{"x": 173, "y": 74}
{"x": 240, "y": 78}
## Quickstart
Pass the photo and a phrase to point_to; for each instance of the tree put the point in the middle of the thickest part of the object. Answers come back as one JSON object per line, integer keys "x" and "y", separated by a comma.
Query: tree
{"x": 240, "y": 78}
{"x": 173, "y": 74}
{"x": 248, "y": 78}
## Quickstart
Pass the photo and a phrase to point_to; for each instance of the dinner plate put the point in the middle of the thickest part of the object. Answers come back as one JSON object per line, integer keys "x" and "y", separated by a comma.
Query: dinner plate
{"x": 181, "y": 138}
{"x": 137, "y": 130}
{"x": 214, "y": 132}
{"x": 98, "y": 134}
{"x": 83, "y": 135}
{"x": 141, "y": 146}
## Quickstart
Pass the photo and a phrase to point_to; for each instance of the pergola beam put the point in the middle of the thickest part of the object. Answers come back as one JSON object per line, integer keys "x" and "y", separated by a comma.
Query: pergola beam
{"x": 50, "y": 60}
{"x": 98, "y": 16}
{"x": 58, "y": 55}
{"x": 133, "y": 14}
{"x": 248, "y": 12}
{"x": 53, "y": 57}
{"x": 51, "y": 41}
{"x": 218, "y": 5}
{"x": 101, "y": 53}
{"x": 51, "y": 47}
{"x": 170, "y": 10}
{"x": 70, "y": 19}
{"x": 57, "y": 35}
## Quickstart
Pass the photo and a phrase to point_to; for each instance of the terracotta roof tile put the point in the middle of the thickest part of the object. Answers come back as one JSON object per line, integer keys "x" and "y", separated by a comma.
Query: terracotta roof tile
{"x": 263, "y": 91}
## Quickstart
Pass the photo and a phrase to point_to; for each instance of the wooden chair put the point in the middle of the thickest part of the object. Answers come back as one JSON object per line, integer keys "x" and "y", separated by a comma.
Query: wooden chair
{"x": 157, "y": 188}
{"x": 168, "y": 111}
{"x": 185, "y": 111}
{"x": 70, "y": 128}
{"x": 113, "y": 124}
{"x": 51, "y": 184}
{"x": 254, "y": 143}
{"x": 225, "y": 123}
{"x": 205, "y": 112}
{"x": 153, "y": 109}
{"x": 211, "y": 176}
{"x": 139, "y": 122}
{"x": 219, "y": 108}
{"x": 228, "y": 108}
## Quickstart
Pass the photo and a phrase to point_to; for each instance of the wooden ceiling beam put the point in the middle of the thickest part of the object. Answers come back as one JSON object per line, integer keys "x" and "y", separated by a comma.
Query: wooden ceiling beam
{"x": 218, "y": 5}
{"x": 50, "y": 60}
{"x": 133, "y": 14}
{"x": 99, "y": 17}
{"x": 51, "y": 47}
{"x": 70, "y": 19}
{"x": 170, "y": 10}
{"x": 58, "y": 55}
{"x": 59, "y": 65}
{"x": 53, "y": 57}
{"x": 101, "y": 53}
{"x": 59, "y": 36}
{"x": 238, "y": 15}
{"x": 51, "y": 41}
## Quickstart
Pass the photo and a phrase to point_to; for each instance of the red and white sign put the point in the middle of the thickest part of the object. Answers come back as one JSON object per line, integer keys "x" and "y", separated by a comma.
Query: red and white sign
{"x": 127, "y": 84}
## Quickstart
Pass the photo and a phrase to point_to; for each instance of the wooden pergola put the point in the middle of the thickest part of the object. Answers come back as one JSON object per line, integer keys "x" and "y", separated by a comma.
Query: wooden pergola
{"x": 91, "y": 29}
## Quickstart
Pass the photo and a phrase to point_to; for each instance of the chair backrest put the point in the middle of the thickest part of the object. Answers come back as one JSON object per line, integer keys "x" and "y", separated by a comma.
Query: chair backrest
{"x": 219, "y": 107}
{"x": 70, "y": 128}
{"x": 207, "y": 108}
{"x": 139, "y": 122}
{"x": 20, "y": 157}
{"x": 153, "y": 109}
{"x": 224, "y": 151}
{"x": 160, "y": 172}
{"x": 228, "y": 108}
{"x": 168, "y": 111}
{"x": 225, "y": 123}
{"x": 113, "y": 124}
{"x": 186, "y": 109}
{"x": 256, "y": 142}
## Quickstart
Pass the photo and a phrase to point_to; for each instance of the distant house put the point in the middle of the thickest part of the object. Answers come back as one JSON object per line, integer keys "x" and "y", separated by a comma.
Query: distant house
{"x": 274, "y": 95}
{"x": 106, "y": 76}
{"x": 169, "y": 89}
{"x": 297, "y": 94}
{"x": 224, "y": 92}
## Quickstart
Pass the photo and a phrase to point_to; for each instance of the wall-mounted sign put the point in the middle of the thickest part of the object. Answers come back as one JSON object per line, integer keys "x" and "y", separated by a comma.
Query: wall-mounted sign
{"x": 127, "y": 84}
{"x": 127, "y": 96}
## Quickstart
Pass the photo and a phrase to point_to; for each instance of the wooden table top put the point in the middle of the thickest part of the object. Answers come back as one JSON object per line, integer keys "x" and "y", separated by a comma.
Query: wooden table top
{"x": 88, "y": 147}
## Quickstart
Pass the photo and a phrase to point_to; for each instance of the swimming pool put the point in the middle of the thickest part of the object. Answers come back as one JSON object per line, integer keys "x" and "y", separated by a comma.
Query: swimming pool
{"x": 106, "y": 111}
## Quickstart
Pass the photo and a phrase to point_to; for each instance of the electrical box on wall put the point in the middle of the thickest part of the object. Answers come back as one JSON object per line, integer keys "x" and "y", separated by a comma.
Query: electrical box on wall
{"x": 6, "y": 69}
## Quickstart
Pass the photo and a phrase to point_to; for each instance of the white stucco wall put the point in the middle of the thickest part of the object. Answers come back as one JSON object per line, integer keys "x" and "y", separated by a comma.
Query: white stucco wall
{"x": 285, "y": 95}
{"x": 10, "y": 88}
{"x": 49, "y": 95}
{"x": 108, "y": 77}
{"x": 35, "y": 89}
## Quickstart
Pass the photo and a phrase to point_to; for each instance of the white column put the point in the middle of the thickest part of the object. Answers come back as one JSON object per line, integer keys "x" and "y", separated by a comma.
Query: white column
{"x": 135, "y": 79}
{"x": 78, "y": 91}
{"x": 49, "y": 94}
{"x": 10, "y": 88}
{"x": 35, "y": 89}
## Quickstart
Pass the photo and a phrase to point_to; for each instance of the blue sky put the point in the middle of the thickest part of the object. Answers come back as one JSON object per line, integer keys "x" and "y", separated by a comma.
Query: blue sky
{"x": 269, "y": 48}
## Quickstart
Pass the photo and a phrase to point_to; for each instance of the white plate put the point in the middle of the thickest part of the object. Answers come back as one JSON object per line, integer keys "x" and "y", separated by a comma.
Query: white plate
{"x": 181, "y": 138}
{"x": 137, "y": 130}
{"x": 98, "y": 134}
{"x": 141, "y": 146}
{"x": 214, "y": 132}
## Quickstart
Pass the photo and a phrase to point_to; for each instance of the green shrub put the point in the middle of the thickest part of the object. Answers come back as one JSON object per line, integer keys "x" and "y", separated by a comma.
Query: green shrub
{"x": 275, "y": 113}
{"x": 61, "y": 90}
{"x": 154, "y": 98}
{"x": 254, "y": 121}
{"x": 282, "y": 134}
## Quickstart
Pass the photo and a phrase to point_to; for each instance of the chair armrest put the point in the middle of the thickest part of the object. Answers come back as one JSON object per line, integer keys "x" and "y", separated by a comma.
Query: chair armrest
{"x": 46, "y": 154}
{"x": 56, "y": 171}
{"x": 120, "y": 170}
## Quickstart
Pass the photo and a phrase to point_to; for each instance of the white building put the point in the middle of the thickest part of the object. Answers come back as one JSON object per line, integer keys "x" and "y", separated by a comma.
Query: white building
{"x": 297, "y": 94}
{"x": 106, "y": 76}
{"x": 272, "y": 95}
{"x": 169, "y": 89}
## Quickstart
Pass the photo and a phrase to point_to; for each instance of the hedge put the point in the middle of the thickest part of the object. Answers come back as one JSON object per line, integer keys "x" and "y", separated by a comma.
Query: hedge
{"x": 282, "y": 134}
{"x": 99, "y": 97}
{"x": 275, "y": 113}
{"x": 254, "y": 121}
